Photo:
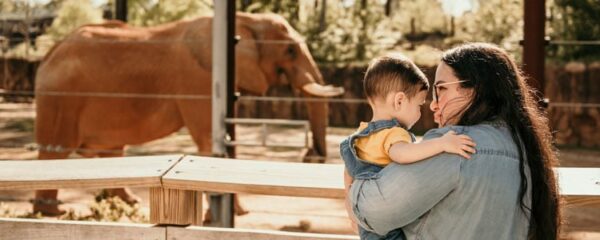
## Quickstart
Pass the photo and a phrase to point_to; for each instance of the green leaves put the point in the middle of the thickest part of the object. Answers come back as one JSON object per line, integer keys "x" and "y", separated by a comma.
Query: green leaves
{"x": 155, "y": 12}
{"x": 574, "y": 21}
{"x": 71, "y": 15}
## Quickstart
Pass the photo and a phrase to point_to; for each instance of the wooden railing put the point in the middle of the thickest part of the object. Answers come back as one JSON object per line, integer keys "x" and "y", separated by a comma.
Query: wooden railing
{"x": 176, "y": 185}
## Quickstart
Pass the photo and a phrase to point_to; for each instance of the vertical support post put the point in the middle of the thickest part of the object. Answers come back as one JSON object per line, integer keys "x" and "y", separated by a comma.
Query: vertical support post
{"x": 231, "y": 96}
{"x": 534, "y": 43}
{"x": 121, "y": 10}
{"x": 175, "y": 207}
{"x": 222, "y": 75}
{"x": 4, "y": 43}
{"x": 199, "y": 211}
{"x": 263, "y": 142}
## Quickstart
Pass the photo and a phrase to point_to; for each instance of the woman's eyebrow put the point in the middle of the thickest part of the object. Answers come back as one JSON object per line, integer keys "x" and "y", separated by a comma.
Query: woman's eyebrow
{"x": 438, "y": 82}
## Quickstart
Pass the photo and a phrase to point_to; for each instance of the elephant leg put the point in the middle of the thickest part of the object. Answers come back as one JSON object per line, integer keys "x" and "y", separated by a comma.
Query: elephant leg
{"x": 237, "y": 206}
{"x": 46, "y": 201}
{"x": 124, "y": 194}
{"x": 318, "y": 117}
{"x": 238, "y": 209}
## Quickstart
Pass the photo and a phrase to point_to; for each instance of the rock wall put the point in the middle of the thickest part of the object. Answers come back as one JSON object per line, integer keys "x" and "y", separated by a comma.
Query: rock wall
{"x": 575, "y": 82}
{"x": 17, "y": 75}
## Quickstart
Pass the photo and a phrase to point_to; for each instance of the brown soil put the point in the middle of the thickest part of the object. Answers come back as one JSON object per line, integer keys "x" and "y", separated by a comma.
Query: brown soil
{"x": 265, "y": 212}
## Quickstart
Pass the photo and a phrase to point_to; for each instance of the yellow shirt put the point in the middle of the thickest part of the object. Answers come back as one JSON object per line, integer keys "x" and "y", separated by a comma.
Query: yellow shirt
{"x": 375, "y": 147}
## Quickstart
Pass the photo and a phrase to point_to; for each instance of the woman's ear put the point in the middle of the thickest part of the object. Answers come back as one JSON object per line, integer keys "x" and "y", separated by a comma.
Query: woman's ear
{"x": 467, "y": 92}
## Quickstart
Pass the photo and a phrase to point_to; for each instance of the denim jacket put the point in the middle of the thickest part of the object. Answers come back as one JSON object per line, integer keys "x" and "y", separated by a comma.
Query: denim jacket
{"x": 359, "y": 168}
{"x": 448, "y": 196}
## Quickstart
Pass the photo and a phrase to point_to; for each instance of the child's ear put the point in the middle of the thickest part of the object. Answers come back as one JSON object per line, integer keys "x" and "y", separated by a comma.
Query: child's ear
{"x": 399, "y": 99}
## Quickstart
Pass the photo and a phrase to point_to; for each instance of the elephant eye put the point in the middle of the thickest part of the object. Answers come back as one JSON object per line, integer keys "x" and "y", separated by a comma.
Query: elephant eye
{"x": 291, "y": 51}
{"x": 279, "y": 71}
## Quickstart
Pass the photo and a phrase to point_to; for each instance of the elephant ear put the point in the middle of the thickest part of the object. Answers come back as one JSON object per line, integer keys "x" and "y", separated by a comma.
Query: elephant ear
{"x": 249, "y": 74}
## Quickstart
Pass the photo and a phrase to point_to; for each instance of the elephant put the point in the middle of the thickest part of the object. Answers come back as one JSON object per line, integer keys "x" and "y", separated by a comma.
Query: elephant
{"x": 169, "y": 59}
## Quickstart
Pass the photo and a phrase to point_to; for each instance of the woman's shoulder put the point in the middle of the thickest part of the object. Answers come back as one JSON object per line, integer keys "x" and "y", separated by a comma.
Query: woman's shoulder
{"x": 485, "y": 128}
{"x": 487, "y": 135}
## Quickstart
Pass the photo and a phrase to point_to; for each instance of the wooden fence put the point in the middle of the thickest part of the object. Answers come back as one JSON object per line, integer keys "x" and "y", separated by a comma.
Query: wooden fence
{"x": 176, "y": 184}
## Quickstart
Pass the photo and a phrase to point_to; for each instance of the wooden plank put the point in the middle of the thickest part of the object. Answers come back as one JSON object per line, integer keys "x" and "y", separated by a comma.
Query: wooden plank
{"x": 175, "y": 207}
{"x": 210, "y": 233}
{"x": 199, "y": 212}
{"x": 579, "y": 186}
{"x": 143, "y": 171}
{"x": 38, "y": 229}
{"x": 256, "y": 177}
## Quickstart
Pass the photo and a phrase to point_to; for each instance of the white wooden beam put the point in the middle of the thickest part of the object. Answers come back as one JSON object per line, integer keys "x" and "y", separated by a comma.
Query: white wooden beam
{"x": 43, "y": 229}
{"x": 208, "y": 233}
{"x": 143, "y": 171}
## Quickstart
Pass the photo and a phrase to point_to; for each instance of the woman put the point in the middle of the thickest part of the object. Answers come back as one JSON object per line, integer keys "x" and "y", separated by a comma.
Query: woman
{"x": 507, "y": 189}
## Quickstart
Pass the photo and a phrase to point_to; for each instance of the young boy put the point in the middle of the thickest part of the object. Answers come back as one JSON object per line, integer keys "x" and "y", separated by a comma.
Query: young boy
{"x": 396, "y": 90}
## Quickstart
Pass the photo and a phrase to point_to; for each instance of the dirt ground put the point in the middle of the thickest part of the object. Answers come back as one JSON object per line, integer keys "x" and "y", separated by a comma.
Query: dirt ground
{"x": 265, "y": 212}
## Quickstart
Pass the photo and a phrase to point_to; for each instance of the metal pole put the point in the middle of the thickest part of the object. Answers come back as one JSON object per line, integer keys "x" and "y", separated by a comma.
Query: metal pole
{"x": 222, "y": 71}
{"x": 231, "y": 96}
{"x": 534, "y": 43}
{"x": 121, "y": 10}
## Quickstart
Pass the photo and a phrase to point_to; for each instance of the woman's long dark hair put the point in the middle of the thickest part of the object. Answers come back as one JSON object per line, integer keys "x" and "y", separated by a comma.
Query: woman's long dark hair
{"x": 500, "y": 92}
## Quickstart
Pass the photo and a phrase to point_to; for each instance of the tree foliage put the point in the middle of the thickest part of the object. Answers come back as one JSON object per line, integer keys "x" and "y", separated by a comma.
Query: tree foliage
{"x": 357, "y": 30}
{"x": 71, "y": 15}
{"x": 574, "y": 21}
{"x": 352, "y": 31}
{"x": 154, "y": 12}
{"x": 496, "y": 21}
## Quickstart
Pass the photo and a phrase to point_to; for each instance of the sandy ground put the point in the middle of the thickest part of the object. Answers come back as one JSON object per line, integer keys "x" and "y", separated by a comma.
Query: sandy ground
{"x": 265, "y": 212}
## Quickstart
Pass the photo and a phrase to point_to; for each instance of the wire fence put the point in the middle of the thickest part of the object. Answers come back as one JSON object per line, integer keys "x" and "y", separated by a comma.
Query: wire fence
{"x": 156, "y": 96}
{"x": 576, "y": 42}
{"x": 107, "y": 95}
{"x": 118, "y": 152}
{"x": 56, "y": 148}
{"x": 126, "y": 151}
{"x": 8, "y": 41}
{"x": 244, "y": 98}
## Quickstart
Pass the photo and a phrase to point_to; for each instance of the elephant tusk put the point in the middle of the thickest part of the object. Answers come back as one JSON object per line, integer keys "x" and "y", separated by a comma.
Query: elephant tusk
{"x": 322, "y": 91}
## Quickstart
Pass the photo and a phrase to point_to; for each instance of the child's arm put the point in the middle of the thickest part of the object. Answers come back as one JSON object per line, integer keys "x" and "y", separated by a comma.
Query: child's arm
{"x": 405, "y": 153}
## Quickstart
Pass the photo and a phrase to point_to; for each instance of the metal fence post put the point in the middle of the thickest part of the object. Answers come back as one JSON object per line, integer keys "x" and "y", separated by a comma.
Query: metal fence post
{"x": 222, "y": 76}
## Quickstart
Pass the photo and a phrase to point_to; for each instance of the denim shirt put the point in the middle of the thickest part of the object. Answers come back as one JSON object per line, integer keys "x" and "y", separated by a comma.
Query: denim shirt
{"x": 359, "y": 168}
{"x": 448, "y": 196}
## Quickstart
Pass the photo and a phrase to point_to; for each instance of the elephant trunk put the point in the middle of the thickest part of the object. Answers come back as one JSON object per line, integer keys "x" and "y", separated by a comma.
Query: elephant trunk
{"x": 309, "y": 79}
{"x": 318, "y": 114}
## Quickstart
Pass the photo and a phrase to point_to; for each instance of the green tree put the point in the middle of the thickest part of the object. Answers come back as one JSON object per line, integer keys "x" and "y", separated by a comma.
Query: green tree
{"x": 155, "y": 12}
{"x": 7, "y": 6}
{"x": 289, "y": 9}
{"x": 495, "y": 21}
{"x": 349, "y": 31}
{"x": 574, "y": 21}
{"x": 422, "y": 16}
{"x": 71, "y": 15}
